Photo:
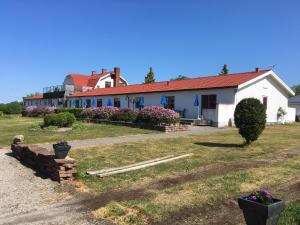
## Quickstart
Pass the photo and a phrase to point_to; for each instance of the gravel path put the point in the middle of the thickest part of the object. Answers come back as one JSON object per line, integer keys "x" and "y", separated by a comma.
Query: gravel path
{"x": 26, "y": 198}
{"x": 194, "y": 130}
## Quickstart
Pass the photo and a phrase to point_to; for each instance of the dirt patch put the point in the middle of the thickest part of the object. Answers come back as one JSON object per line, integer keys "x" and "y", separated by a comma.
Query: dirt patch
{"x": 93, "y": 202}
{"x": 227, "y": 212}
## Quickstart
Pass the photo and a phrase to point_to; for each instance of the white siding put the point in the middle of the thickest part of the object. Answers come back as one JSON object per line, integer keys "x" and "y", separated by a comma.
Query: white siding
{"x": 277, "y": 97}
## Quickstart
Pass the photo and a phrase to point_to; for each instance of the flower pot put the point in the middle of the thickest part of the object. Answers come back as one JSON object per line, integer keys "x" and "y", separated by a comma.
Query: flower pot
{"x": 258, "y": 214}
{"x": 61, "y": 151}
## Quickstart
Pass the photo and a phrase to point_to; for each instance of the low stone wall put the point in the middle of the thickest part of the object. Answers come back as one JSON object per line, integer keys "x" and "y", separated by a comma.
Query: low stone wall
{"x": 169, "y": 128}
{"x": 41, "y": 160}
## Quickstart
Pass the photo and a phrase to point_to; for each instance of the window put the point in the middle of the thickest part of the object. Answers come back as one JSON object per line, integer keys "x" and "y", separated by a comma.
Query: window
{"x": 88, "y": 103}
{"x": 265, "y": 102}
{"x": 99, "y": 102}
{"x": 117, "y": 102}
{"x": 209, "y": 101}
{"x": 77, "y": 104}
{"x": 137, "y": 102}
{"x": 107, "y": 84}
{"x": 170, "y": 102}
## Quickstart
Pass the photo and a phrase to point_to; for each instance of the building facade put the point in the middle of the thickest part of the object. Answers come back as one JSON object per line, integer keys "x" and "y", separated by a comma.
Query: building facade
{"x": 218, "y": 96}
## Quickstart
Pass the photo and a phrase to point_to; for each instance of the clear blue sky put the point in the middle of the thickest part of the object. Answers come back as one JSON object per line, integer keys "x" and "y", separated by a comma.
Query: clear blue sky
{"x": 42, "y": 41}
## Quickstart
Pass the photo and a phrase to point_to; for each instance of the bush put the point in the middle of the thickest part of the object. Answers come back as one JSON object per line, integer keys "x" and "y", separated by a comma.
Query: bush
{"x": 126, "y": 115}
{"x": 157, "y": 115}
{"x": 37, "y": 111}
{"x": 105, "y": 113}
{"x": 1, "y": 114}
{"x": 75, "y": 111}
{"x": 64, "y": 119}
{"x": 250, "y": 118}
{"x": 11, "y": 108}
{"x": 297, "y": 118}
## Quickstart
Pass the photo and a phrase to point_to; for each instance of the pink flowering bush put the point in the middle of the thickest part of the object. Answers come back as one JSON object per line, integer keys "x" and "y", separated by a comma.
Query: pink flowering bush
{"x": 157, "y": 115}
{"x": 105, "y": 112}
{"x": 37, "y": 111}
{"x": 126, "y": 115}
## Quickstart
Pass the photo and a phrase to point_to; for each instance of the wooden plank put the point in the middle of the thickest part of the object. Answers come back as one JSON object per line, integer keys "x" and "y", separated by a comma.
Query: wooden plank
{"x": 143, "y": 166}
{"x": 128, "y": 166}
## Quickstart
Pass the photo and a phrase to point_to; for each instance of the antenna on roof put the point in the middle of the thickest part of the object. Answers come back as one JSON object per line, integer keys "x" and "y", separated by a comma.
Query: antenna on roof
{"x": 272, "y": 67}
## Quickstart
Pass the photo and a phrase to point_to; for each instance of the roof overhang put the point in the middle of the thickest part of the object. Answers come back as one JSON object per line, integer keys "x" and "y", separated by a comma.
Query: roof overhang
{"x": 275, "y": 78}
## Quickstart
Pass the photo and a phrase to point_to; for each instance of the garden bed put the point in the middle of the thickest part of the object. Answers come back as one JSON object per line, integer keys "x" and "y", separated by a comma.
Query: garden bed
{"x": 163, "y": 128}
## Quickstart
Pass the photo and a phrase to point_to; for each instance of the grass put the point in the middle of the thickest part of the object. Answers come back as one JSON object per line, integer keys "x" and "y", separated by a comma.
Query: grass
{"x": 29, "y": 127}
{"x": 291, "y": 214}
{"x": 160, "y": 199}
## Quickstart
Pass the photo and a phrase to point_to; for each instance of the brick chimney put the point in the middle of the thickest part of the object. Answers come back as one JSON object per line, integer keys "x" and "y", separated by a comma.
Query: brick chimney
{"x": 103, "y": 70}
{"x": 117, "y": 76}
{"x": 256, "y": 70}
{"x": 94, "y": 72}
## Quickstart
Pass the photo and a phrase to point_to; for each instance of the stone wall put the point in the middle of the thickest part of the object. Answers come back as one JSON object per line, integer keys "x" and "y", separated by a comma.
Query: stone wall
{"x": 42, "y": 161}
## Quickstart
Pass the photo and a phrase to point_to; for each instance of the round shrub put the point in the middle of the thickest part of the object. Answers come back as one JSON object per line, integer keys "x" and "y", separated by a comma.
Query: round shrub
{"x": 64, "y": 119}
{"x": 157, "y": 115}
{"x": 250, "y": 118}
{"x": 75, "y": 111}
{"x": 126, "y": 115}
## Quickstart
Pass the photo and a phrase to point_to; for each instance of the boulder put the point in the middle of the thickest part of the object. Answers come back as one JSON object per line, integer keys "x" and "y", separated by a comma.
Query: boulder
{"x": 18, "y": 139}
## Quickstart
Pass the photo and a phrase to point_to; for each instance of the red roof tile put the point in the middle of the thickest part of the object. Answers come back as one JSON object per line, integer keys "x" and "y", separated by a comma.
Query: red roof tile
{"x": 37, "y": 97}
{"x": 87, "y": 80}
{"x": 230, "y": 80}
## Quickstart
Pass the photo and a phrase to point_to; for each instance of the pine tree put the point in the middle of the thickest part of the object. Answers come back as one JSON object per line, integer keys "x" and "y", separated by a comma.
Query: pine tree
{"x": 224, "y": 70}
{"x": 150, "y": 77}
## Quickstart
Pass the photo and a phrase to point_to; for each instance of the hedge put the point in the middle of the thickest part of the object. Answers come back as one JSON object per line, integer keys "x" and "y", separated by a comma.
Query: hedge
{"x": 11, "y": 108}
{"x": 64, "y": 119}
{"x": 75, "y": 111}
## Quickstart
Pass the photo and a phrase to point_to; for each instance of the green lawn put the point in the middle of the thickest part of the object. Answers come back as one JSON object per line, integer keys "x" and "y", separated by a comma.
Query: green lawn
{"x": 219, "y": 171}
{"x": 13, "y": 125}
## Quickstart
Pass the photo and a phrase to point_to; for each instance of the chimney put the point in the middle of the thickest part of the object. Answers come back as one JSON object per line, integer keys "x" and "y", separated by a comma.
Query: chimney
{"x": 256, "y": 70}
{"x": 103, "y": 70}
{"x": 94, "y": 72}
{"x": 117, "y": 76}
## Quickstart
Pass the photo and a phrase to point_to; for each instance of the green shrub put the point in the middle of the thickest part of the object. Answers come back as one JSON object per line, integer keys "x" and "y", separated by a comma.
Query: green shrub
{"x": 64, "y": 119}
{"x": 1, "y": 114}
{"x": 75, "y": 111}
{"x": 297, "y": 118}
{"x": 250, "y": 118}
{"x": 126, "y": 115}
{"x": 11, "y": 108}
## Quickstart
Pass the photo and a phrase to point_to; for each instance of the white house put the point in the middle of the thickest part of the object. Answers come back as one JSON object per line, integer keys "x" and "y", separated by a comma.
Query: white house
{"x": 218, "y": 95}
{"x": 56, "y": 95}
{"x": 295, "y": 103}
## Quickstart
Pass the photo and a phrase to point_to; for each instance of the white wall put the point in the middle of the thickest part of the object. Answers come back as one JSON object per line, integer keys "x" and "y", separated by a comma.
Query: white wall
{"x": 108, "y": 78}
{"x": 277, "y": 97}
{"x": 183, "y": 100}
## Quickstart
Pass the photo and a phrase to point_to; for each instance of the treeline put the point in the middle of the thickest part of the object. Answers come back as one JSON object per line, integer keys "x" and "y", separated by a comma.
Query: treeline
{"x": 11, "y": 108}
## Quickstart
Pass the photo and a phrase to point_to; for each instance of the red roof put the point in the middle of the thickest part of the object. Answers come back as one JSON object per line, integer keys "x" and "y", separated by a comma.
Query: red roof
{"x": 87, "y": 80}
{"x": 37, "y": 97}
{"x": 226, "y": 81}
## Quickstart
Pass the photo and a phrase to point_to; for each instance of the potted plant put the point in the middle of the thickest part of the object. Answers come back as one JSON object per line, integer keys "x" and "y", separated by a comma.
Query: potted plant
{"x": 260, "y": 208}
{"x": 61, "y": 149}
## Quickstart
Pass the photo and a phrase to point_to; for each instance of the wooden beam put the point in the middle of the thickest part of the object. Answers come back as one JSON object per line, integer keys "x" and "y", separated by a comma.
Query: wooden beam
{"x": 124, "y": 167}
{"x": 142, "y": 166}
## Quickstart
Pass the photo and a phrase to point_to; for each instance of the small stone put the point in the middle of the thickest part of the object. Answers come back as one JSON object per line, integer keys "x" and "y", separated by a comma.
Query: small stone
{"x": 18, "y": 139}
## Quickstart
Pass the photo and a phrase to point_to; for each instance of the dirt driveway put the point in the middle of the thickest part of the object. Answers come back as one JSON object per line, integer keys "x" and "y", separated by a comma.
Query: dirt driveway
{"x": 26, "y": 198}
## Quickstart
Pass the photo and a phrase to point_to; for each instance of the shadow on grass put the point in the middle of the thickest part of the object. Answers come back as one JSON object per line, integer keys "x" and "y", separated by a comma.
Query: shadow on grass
{"x": 220, "y": 145}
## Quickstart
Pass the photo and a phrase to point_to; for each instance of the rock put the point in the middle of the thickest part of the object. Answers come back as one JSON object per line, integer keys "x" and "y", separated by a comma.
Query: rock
{"x": 18, "y": 139}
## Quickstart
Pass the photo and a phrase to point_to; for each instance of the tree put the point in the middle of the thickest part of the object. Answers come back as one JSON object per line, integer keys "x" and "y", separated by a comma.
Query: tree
{"x": 224, "y": 70}
{"x": 250, "y": 118}
{"x": 180, "y": 77}
{"x": 150, "y": 77}
{"x": 11, "y": 108}
{"x": 296, "y": 89}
